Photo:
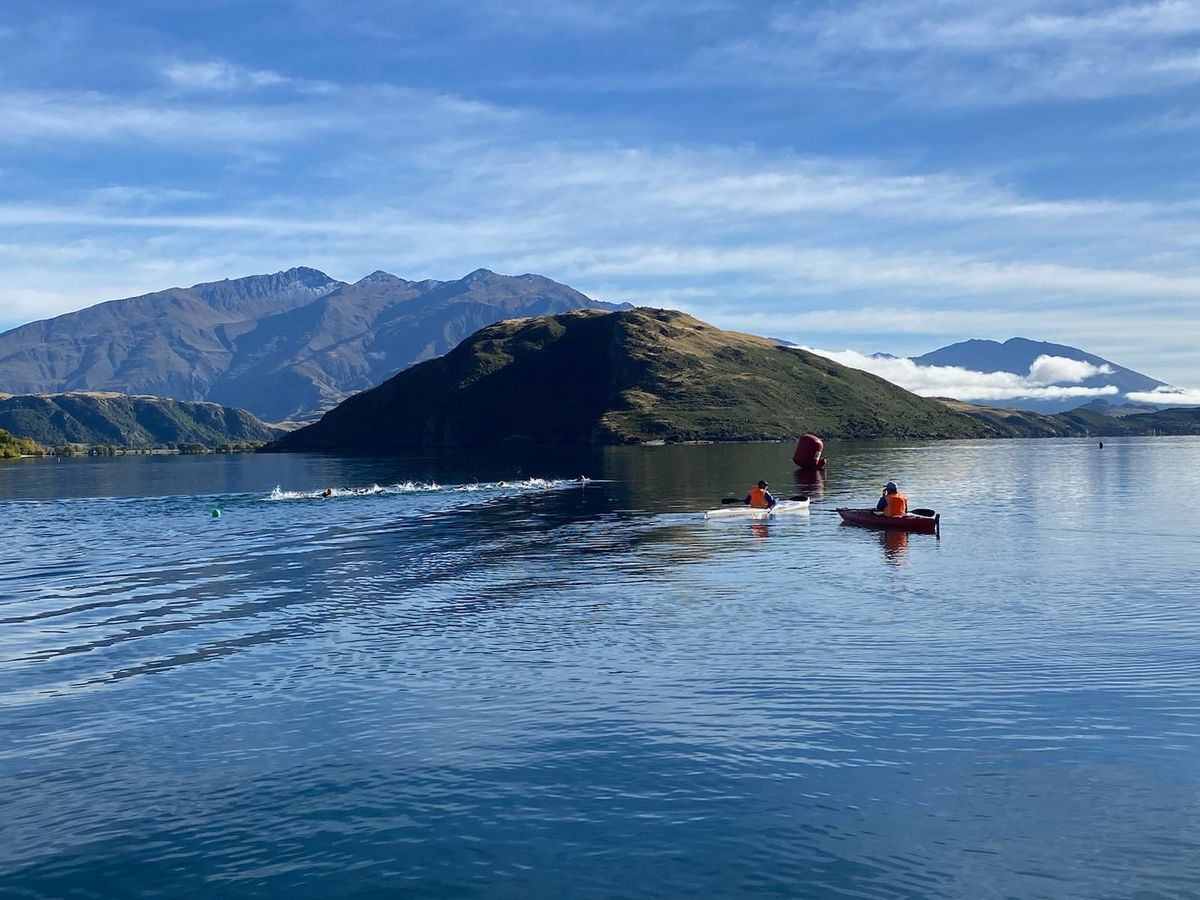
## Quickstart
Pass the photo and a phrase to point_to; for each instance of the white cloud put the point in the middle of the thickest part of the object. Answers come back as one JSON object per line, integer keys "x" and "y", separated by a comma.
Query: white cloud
{"x": 1175, "y": 121}
{"x": 485, "y": 19}
{"x": 961, "y": 52}
{"x": 94, "y": 117}
{"x": 219, "y": 75}
{"x": 123, "y": 195}
{"x": 742, "y": 182}
{"x": 1168, "y": 396}
{"x": 900, "y": 323}
{"x": 1048, "y": 370}
{"x": 966, "y": 25}
{"x": 371, "y": 112}
{"x": 796, "y": 271}
{"x": 966, "y": 384}
{"x": 847, "y": 268}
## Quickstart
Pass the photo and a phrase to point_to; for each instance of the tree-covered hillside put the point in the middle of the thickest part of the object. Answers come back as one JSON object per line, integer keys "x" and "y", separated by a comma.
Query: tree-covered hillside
{"x": 127, "y": 422}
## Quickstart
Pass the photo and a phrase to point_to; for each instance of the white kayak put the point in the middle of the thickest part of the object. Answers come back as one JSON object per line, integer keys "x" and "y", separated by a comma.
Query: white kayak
{"x": 739, "y": 511}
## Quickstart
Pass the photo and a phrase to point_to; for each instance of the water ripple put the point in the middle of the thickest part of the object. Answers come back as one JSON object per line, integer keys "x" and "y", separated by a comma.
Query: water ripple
{"x": 441, "y": 685}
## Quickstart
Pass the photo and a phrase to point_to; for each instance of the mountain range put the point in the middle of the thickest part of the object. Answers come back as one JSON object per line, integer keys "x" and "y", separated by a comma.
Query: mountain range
{"x": 292, "y": 345}
{"x": 283, "y": 346}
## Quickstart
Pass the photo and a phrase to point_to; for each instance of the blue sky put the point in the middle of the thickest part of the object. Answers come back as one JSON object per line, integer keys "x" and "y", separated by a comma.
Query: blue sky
{"x": 874, "y": 176}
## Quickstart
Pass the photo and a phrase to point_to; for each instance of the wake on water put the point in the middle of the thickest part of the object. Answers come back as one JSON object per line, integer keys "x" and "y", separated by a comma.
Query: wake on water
{"x": 424, "y": 487}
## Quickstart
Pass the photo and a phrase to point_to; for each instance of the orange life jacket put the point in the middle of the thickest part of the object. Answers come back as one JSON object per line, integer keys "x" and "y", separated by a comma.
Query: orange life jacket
{"x": 897, "y": 505}
{"x": 758, "y": 498}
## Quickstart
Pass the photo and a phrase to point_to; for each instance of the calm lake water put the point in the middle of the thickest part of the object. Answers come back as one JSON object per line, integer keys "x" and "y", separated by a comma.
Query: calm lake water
{"x": 483, "y": 680}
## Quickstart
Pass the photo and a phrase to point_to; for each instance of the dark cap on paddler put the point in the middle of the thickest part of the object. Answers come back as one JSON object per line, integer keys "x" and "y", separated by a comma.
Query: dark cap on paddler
{"x": 762, "y": 484}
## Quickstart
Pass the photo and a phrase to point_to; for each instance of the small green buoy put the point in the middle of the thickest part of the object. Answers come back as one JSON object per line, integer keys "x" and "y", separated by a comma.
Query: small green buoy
{"x": 216, "y": 514}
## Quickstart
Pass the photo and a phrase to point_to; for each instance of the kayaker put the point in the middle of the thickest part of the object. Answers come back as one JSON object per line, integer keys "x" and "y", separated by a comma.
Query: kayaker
{"x": 759, "y": 497}
{"x": 892, "y": 503}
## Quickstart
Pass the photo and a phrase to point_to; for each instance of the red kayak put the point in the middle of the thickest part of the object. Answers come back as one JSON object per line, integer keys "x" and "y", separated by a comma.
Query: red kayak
{"x": 868, "y": 518}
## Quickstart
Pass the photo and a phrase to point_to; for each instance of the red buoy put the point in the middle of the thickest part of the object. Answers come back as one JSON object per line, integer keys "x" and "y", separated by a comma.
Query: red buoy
{"x": 808, "y": 452}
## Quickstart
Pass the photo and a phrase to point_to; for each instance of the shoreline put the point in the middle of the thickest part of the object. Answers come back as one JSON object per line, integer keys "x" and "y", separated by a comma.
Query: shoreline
{"x": 510, "y": 445}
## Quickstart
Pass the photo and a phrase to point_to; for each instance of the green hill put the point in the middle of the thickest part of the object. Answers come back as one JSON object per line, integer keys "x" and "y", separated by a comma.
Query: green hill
{"x": 623, "y": 377}
{"x": 127, "y": 422}
{"x": 1167, "y": 421}
{"x": 1079, "y": 422}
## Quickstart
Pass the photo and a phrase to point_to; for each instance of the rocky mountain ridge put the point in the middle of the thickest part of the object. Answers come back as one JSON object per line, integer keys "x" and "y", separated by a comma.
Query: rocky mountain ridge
{"x": 282, "y": 346}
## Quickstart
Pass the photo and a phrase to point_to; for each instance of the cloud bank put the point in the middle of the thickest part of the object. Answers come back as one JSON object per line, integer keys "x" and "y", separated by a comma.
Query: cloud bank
{"x": 1048, "y": 378}
{"x": 1167, "y": 396}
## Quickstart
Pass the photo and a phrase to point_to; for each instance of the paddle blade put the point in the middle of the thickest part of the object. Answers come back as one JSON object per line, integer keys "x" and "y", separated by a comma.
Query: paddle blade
{"x": 799, "y": 497}
{"x": 731, "y": 499}
{"x": 923, "y": 512}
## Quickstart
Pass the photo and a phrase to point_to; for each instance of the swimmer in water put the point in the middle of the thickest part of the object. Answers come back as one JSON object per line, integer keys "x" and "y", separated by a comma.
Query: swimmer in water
{"x": 328, "y": 492}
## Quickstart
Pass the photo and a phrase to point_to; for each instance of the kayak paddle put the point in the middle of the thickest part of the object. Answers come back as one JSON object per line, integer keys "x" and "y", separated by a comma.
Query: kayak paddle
{"x": 796, "y": 497}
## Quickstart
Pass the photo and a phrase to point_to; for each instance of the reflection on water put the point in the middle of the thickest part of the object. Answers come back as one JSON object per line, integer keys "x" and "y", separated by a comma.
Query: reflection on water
{"x": 810, "y": 483}
{"x": 895, "y": 545}
{"x": 474, "y": 676}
